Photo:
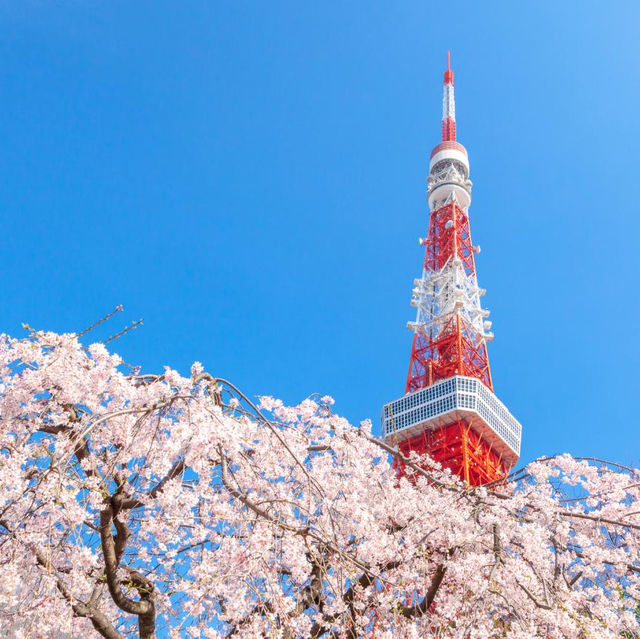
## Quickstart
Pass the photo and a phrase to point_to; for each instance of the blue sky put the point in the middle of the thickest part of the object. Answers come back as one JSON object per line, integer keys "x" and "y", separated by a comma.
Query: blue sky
{"x": 249, "y": 178}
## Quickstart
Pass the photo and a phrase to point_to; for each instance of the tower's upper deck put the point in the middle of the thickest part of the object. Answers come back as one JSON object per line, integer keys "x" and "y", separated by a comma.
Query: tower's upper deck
{"x": 448, "y": 401}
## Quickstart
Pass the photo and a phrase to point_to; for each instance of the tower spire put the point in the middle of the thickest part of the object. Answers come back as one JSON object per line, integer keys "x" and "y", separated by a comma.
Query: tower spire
{"x": 449, "y": 409}
{"x": 448, "y": 105}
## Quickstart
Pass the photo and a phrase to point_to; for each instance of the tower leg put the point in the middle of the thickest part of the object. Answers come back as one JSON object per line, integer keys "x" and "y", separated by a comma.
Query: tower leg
{"x": 459, "y": 448}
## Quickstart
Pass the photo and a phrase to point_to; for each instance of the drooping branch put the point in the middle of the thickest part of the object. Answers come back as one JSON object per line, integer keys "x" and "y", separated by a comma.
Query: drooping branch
{"x": 532, "y": 597}
{"x": 80, "y": 609}
{"x": 249, "y": 503}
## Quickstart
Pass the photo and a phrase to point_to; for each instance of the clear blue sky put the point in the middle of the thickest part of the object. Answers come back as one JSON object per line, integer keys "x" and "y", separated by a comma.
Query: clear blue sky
{"x": 249, "y": 178}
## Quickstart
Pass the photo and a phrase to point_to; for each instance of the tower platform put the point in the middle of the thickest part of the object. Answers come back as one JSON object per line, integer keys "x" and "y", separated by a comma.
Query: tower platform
{"x": 451, "y": 400}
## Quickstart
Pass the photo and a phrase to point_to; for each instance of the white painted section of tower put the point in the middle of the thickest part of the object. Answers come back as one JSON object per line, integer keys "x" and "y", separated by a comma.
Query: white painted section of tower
{"x": 448, "y": 103}
{"x": 448, "y": 179}
{"x": 450, "y": 154}
{"x": 439, "y": 295}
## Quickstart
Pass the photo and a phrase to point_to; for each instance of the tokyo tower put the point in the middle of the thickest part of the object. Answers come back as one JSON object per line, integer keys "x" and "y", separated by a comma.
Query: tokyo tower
{"x": 449, "y": 409}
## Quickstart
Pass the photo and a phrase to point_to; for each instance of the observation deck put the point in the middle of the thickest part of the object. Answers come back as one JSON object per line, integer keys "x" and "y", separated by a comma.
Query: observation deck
{"x": 450, "y": 400}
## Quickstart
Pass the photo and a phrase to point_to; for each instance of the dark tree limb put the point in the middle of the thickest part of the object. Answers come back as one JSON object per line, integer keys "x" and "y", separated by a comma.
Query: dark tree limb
{"x": 145, "y": 608}
{"x": 422, "y": 608}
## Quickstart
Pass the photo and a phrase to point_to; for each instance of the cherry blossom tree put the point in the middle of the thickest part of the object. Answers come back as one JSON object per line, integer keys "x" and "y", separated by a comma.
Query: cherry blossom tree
{"x": 136, "y": 505}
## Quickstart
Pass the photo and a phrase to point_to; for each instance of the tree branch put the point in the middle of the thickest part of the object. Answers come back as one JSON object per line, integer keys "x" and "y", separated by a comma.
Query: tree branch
{"x": 80, "y": 609}
{"x": 131, "y": 502}
{"x": 144, "y": 609}
{"x": 423, "y": 607}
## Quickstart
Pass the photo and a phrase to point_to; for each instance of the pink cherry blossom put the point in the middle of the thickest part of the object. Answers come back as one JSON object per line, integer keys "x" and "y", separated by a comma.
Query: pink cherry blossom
{"x": 171, "y": 506}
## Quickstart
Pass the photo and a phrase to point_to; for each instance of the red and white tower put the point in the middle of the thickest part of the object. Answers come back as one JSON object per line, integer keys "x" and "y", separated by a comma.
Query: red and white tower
{"x": 449, "y": 409}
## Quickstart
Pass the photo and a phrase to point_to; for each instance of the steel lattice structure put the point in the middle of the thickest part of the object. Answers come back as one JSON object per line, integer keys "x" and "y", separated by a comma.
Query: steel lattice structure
{"x": 476, "y": 437}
